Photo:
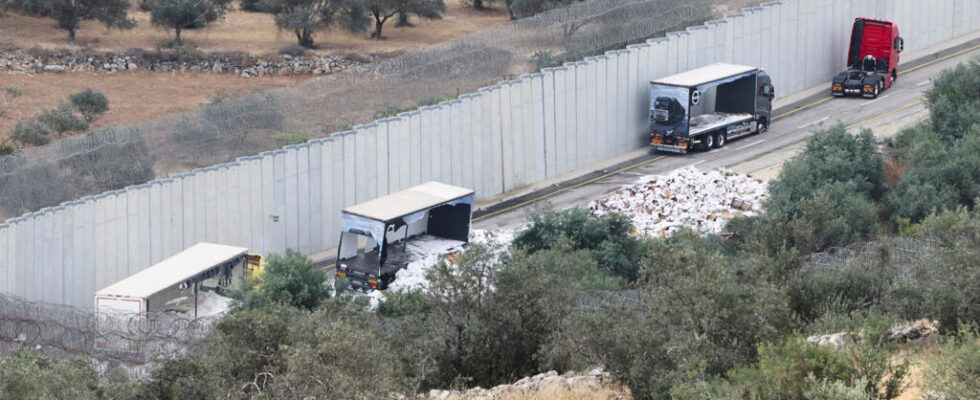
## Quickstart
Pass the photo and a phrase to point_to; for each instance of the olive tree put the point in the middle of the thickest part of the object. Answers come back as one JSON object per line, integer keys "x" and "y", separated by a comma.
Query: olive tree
{"x": 69, "y": 14}
{"x": 186, "y": 14}
{"x": 306, "y": 17}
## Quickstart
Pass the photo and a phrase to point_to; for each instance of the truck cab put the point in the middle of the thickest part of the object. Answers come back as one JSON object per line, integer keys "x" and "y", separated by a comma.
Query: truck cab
{"x": 872, "y": 59}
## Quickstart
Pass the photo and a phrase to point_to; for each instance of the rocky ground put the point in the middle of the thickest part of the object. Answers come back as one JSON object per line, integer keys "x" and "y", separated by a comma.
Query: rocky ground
{"x": 594, "y": 384}
{"x": 36, "y": 61}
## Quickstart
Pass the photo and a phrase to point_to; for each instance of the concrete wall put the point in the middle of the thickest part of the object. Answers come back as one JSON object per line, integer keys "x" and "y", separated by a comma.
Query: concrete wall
{"x": 499, "y": 139}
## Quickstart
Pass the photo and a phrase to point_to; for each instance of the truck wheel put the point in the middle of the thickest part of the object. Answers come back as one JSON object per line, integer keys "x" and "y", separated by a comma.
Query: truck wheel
{"x": 763, "y": 126}
{"x": 708, "y": 142}
{"x": 875, "y": 94}
{"x": 720, "y": 140}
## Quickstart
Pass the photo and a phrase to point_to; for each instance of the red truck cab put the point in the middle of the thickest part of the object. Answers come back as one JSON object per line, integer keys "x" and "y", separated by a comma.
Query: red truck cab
{"x": 872, "y": 59}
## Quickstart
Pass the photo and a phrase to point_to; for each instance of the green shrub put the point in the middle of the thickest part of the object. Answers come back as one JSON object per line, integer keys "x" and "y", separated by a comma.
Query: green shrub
{"x": 30, "y": 132}
{"x": 29, "y": 374}
{"x": 939, "y": 179}
{"x": 831, "y": 157}
{"x": 62, "y": 119}
{"x": 608, "y": 238}
{"x": 286, "y": 139}
{"x": 289, "y": 279}
{"x": 90, "y": 104}
{"x": 6, "y": 148}
{"x": 955, "y": 372}
{"x": 789, "y": 370}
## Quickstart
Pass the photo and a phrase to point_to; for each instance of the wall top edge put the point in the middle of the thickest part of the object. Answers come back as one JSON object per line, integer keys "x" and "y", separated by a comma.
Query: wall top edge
{"x": 771, "y": 4}
{"x": 734, "y": 15}
{"x": 697, "y": 28}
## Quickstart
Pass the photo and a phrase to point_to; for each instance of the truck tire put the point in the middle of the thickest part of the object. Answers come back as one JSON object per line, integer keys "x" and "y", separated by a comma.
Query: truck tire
{"x": 763, "y": 126}
{"x": 708, "y": 142}
{"x": 720, "y": 140}
{"x": 874, "y": 95}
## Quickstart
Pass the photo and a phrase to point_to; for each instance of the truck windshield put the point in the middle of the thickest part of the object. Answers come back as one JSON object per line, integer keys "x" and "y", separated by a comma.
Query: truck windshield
{"x": 662, "y": 103}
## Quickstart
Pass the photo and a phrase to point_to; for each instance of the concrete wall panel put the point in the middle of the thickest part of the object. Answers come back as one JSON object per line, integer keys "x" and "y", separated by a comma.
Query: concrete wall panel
{"x": 548, "y": 122}
{"x": 506, "y": 137}
{"x": 366, "y": 167}
{"x": 427, "y": 138}
{"x": 517, "y": 145}
{"x": 605, "y": 125}
{"x": 446, "y": 141}
{"x": 571, "y": 120}
{"x": 465, "y": 136}
{"x": 480, "y": 138}
{"x": 289, "y": 216}
{"x": 303, "y": 214}
{"x": 538, "y": 154}
{"x": 623, "y": 110}
{"x": 559, "y": 130}
{"x": 415, "y": 148}
{"x": 583, "y": 107}
{"x": 316, "y": 197}
{"x": 495, "y": 163}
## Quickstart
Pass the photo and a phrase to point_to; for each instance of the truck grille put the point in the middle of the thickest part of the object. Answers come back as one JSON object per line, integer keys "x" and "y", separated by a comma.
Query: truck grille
{"x": 661, "y": 115}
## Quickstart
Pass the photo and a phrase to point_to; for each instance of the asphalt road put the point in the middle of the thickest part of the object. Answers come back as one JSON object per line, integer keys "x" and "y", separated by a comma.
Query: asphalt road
{"x": 757, "y": 154}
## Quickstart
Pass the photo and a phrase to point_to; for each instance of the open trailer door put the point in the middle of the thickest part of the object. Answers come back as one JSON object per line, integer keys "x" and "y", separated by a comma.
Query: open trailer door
{"x": 373, "y": 235}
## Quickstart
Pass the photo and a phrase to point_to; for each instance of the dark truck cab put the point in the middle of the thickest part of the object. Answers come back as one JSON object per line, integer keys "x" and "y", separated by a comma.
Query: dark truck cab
{"x": 374, "y": 234}
{"x": 708, "y": 106}
{"x": 872, "y": 59}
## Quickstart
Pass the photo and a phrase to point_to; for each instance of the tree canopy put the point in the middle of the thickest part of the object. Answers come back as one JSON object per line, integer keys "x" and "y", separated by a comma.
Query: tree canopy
{"x": 306, "y": 17}
{"x": 70, "y": 13}
{"x": 186, "y": 14}
{"x": 382, "y": 10}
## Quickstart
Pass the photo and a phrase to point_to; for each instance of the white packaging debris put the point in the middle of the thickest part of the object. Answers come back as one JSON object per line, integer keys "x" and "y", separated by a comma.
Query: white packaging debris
{"x": 660, "y": 205}
{"x": 425, "y": 253}
{"x": 209, "y": 304}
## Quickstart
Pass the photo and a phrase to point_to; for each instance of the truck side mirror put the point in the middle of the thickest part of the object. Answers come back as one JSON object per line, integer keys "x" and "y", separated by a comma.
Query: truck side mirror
{"x": 899, "y": 44}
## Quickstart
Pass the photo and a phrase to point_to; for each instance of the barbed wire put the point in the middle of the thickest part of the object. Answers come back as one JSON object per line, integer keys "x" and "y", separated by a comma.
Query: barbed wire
{"x": 247, "y": 124}
{"x": 128, "y": 341}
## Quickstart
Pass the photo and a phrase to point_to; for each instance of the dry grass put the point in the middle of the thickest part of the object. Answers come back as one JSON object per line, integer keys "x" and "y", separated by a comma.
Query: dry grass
{"x": 894, "y": 170}
{"x": 920, "y": 358}
{"x": 133, "y": 96}
{"x": 248, "y": 31}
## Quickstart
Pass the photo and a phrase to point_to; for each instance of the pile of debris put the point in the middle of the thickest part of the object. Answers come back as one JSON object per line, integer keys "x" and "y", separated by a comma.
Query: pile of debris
{"x": 685, "y": 198}
{"x": 544, "y": 384}
{"x": 35, "y": 61}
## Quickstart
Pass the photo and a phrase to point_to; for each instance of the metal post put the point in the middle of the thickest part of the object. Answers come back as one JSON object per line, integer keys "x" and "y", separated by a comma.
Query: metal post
{"x": 195, "y": 300}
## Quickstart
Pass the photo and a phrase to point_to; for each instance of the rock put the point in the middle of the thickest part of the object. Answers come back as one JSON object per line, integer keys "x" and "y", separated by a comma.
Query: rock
{"x": 106, "y": 66}
{"x": 523, "y": 382}
{"x": 552, "y": 383}
{"x": 439, "y": 394}
{"x": 54, "y": 68}
{"x": 506, "y": 391}
{"x": 838, "y": 341}
{"x": 287, "y": 57}
{"x": 918, "y": 330}
{"x": 583, "y": 382}
{"x": 132, "y": 66}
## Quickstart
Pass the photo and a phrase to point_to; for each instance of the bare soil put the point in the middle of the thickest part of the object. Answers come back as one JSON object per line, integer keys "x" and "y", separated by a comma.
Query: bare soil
{"x": 142, "y": 95}
{"x": 133, "y": 96}
{"x": 247, "y": 31}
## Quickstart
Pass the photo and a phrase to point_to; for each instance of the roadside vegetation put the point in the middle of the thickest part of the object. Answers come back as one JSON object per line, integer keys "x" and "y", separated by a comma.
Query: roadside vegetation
{"x": 686, "y": 317}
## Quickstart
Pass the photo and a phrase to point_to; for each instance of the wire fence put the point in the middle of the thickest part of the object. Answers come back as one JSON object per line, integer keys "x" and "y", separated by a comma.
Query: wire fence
{"x": 900, "y": 254}
{"x": 249, "y": 123}
{"x": 131, "y": 342}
